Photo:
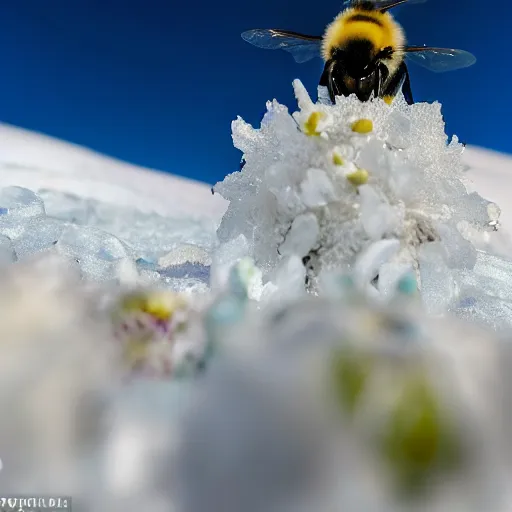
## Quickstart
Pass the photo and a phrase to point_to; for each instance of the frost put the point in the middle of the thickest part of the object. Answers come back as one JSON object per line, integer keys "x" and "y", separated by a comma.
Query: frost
{"x": 225, "y": 258}
{"x": 367, "y": 266}
{"x": 107, "y": 243}
{"x": 437, "y": 282}
{"x": 302, "y": 236}
{"x": 316, "y": 189}
{"x": 329, "y": 183}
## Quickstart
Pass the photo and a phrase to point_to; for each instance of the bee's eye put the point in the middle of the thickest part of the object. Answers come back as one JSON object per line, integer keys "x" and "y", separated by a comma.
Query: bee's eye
{"x": 386, "y": 53}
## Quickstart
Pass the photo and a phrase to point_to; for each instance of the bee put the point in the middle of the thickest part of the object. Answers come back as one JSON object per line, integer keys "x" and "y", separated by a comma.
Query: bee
{"x": 364, "y": 51}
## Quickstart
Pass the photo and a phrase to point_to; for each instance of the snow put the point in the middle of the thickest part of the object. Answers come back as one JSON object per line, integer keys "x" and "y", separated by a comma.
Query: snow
{"x": 85, "y": 366}
{"x": 491, "y": 174}
{"x": 37, "y": 161}
{"x": 359, "y": 187}
{"x": 32, "y": 160}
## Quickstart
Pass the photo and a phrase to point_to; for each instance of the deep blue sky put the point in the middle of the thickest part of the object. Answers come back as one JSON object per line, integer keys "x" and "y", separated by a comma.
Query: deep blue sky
{"x": 158, "y": 82}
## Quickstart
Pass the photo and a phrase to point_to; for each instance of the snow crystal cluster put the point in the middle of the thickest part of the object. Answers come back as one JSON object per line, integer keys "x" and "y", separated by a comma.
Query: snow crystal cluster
{"x": 370, "y": 190}
{"x": 107, "y": 243}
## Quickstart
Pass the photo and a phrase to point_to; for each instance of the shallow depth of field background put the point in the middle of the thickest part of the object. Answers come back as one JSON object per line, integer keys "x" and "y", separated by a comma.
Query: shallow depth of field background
{"x": 158, "y": 83}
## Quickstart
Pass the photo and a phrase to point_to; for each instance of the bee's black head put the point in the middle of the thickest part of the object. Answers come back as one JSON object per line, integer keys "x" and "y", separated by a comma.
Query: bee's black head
{"x": 356, "y": 68}
{"x": 365, "y": 5}
{"x": 357, "y": 58}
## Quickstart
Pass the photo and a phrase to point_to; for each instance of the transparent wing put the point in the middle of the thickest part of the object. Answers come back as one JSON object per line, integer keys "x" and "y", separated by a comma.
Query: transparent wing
{"x": 302, "y": 47}
{"x": 439, "y": 60}
{"x": 382, "y": 5}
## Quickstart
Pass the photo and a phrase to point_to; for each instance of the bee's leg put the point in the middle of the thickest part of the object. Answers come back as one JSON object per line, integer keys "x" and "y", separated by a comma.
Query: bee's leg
{"x": 328, "y": 79}
{"x": 381, "y": 75}
{"x": 406, "y": 88}
{"x": 325, "y": 79}
{"x": 377, "y": 87}
{"x": 400, "y": 81}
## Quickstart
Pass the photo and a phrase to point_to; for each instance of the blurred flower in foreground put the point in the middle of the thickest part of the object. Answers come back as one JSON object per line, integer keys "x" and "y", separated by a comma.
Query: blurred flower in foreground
{"x": 58, "y": 365}
{"x": 160, "y": 333}
{"x": 340, "y": 405}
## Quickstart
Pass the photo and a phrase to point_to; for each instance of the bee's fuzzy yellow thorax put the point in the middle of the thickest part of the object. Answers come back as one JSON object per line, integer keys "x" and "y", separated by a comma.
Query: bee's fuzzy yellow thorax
{"x": 384, "y": 32}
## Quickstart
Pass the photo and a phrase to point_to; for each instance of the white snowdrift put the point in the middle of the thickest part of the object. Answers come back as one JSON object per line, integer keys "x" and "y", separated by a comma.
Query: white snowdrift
{"x": 34, "y": 161}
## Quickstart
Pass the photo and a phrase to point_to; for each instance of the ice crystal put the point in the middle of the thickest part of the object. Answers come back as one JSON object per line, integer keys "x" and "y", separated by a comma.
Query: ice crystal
{"x": 354, "y": 187}
{"x": 106, "y": 242}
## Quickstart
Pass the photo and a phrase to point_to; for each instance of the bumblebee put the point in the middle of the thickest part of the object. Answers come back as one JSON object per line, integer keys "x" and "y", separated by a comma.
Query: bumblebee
{"x": 364, "y": 51}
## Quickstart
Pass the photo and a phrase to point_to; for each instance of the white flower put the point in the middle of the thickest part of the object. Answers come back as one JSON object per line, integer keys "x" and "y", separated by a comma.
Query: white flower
{"x": 329, "y": 181}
